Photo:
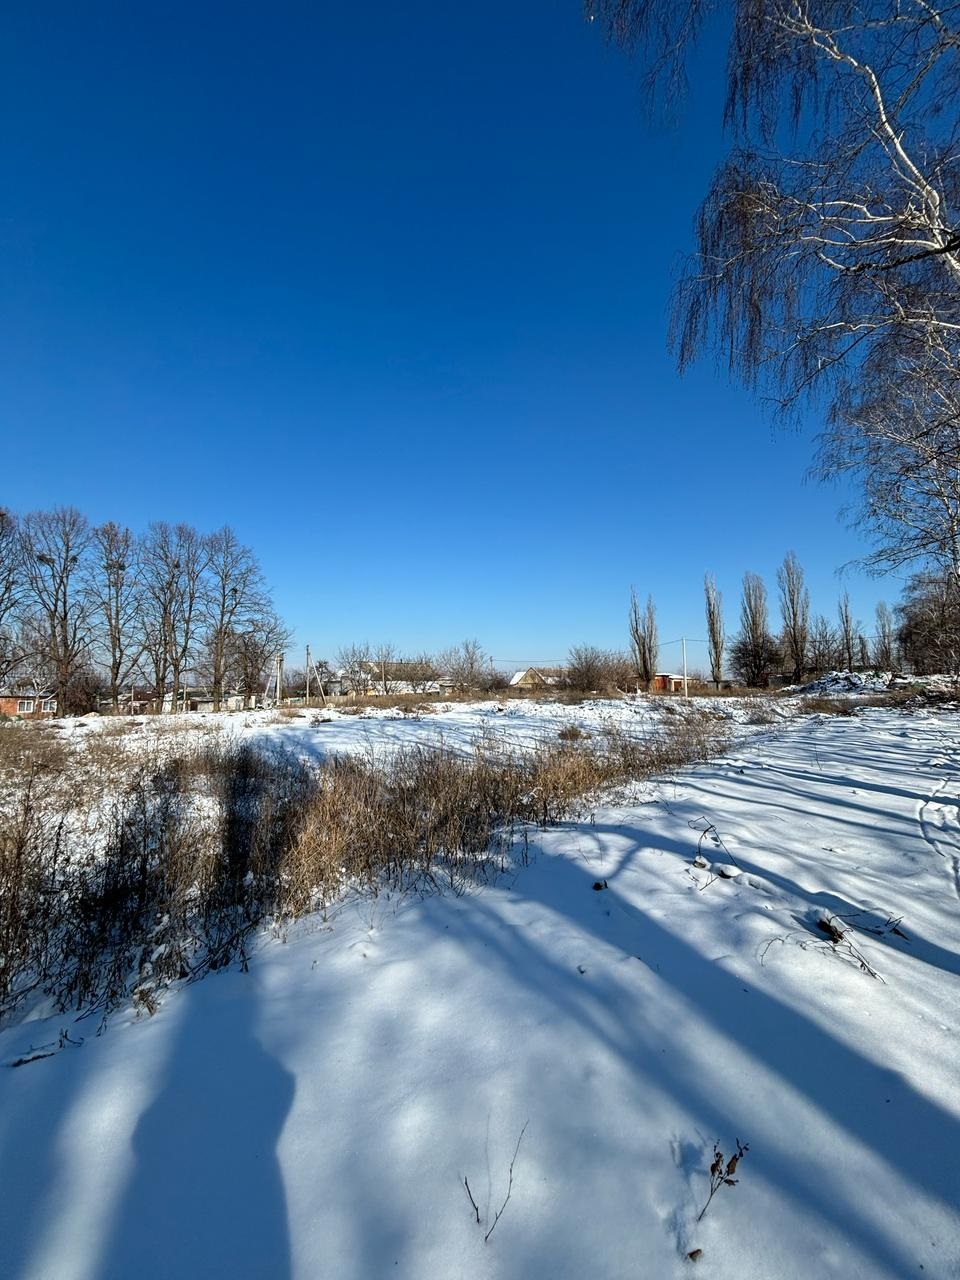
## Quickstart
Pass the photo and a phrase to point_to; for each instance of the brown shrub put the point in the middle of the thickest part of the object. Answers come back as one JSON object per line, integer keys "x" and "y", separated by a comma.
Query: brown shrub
{"x": 823, "y": 704}
{"x": 202, "y": 845}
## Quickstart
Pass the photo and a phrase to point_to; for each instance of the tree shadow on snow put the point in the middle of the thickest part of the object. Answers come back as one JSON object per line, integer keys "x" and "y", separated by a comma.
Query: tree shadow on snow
{"x": 876, "y": 1106}
{"x": 872, "y": 924}
{"x": 206, "y": 1197}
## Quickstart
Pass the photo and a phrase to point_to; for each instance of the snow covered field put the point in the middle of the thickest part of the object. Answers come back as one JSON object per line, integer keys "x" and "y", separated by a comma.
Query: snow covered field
{"x": 619, "y": 1006}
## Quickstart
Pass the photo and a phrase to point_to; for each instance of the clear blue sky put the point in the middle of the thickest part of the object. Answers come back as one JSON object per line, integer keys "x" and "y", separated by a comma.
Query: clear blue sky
{"x": 384, "y": 287}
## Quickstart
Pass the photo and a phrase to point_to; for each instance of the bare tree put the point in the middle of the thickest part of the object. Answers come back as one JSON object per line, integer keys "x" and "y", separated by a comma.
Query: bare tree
{"x": 929, "y": 632}
{"x": 848, "y": 630}
{"x": 385, "y": 661}
{"x": 824, "y": 651}
{"x": 644, "y": 640}
{"x": 12, "y": 653}
{"x": 294, "y": 682}
{"x": 234, "y": 594}
{"x": 113, "y": 582}
{"x": 794, "y": 614}
{"x": 467, "y": 665}
{"x": 883, "y": 641}
{"x": 588, "y": 668}
{"x": 356, "y": 667}
{"x": 421, "y": 672}
{"x": 54, "y": 545}
{"x": 895, "y": 429}
{"x": 834, "y": 222}
{"x": 174, "y": 560}
{"x": 754, "y": 652}
{"x": 715, "y": 635}
{"x": 252, "y": 652}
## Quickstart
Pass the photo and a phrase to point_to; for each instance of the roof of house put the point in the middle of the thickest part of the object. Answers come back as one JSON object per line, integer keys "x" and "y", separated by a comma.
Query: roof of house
{"x": 549, "y": 675}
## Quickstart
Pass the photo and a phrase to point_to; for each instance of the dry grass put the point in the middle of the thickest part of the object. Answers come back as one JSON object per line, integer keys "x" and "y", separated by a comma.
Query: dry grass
{"x": 28, "y": 744}
{"x": 160, "y": 870}
{"x": 827, "y": 705}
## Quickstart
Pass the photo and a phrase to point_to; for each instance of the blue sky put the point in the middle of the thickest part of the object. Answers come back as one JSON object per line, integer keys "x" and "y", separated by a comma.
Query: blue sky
{"x": 385, "y": 288}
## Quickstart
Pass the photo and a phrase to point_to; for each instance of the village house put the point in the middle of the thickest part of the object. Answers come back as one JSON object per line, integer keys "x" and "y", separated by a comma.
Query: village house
{"x": 537, "y": 678}
{"x": 27, "y": 703}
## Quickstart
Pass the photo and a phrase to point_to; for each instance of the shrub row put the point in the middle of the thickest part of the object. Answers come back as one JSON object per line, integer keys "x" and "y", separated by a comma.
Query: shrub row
{"x": 116, "y": 896}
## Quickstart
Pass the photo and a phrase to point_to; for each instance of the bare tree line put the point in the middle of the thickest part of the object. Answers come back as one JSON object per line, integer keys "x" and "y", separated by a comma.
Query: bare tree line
{"x": 96, "y": 609}
{"x": 800, "y": 646}
{"x": 361, "y": 668}
{"x": 805, "y": 644}
{"x": 92, "y": 611}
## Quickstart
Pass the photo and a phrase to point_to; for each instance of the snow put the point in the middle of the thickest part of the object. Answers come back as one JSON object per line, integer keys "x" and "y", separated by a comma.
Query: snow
{"x": 316, "y": 1116}
{"x": 845, "y": 683}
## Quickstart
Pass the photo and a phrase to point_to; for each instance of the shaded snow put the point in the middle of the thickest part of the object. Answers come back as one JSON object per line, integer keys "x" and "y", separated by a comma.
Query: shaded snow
{"x": 315, "y": 1116}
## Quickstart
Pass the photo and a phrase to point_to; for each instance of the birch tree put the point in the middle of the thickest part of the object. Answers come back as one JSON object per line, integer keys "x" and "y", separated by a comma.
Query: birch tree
{"x": 834, "y": 221}
{"x": 827, "y": 258}
{"x": 895, "y": 429}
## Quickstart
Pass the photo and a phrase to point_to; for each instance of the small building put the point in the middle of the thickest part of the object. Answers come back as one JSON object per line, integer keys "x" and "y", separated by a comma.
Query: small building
{"x": 537, "y": 678}
{"x": 206, "y": 703}
{"x": 667, "y": 682}
{"x": 28, "y": 703}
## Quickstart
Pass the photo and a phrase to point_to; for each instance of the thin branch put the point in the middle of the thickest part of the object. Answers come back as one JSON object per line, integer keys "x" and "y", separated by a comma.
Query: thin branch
{"x": 506, "y": 1198}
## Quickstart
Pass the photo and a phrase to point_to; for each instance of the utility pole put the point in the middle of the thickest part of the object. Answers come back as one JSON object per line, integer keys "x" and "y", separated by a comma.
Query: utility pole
{"x": 683, "y": 643}
{"x": 308, "y": 676}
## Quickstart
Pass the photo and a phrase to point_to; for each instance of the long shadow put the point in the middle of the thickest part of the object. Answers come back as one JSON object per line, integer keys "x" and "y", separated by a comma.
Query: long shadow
{"x": 876, "y": 1106}
{"x": 38, "y": 1099}
{"x": 855, "y": 784}
{"x": 206, "y": 1196}
{"x": 914, "y": 944}
{"x": 834, "y": 807}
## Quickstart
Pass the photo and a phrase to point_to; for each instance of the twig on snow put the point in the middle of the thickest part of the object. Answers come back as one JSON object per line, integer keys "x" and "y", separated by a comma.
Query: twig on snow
{"x": 471, "y": 1199}
{"x": 506, "y": 1198}
{"x": 710, "y": 830}
{"x": 721, "y": 1176}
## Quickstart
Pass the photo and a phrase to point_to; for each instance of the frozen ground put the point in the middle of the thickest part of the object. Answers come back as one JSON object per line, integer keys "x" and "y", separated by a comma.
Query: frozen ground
{"x": 316, "y": 1116}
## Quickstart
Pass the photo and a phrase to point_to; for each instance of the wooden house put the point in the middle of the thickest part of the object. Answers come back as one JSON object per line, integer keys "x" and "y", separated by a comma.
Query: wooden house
{"x": 537, "y": 678}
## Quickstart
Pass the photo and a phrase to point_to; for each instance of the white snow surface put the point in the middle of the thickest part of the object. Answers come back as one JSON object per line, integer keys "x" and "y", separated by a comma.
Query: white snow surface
{"x": 376, "y": 730}
{"x": 846, "y": 683}
{"x": 316, "y": 1116}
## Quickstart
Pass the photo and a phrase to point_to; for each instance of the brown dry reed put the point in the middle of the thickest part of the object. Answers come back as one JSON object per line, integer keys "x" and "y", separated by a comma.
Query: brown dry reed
{"x": 124, "y": 870}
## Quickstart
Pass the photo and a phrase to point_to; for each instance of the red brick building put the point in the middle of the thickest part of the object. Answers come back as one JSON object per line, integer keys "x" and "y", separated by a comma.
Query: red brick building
{"x": 28, "y": 704}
